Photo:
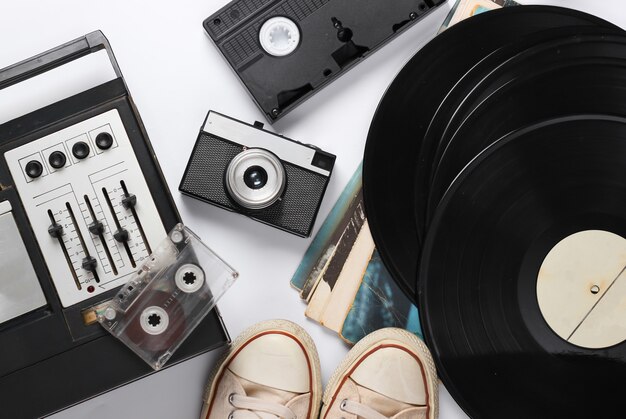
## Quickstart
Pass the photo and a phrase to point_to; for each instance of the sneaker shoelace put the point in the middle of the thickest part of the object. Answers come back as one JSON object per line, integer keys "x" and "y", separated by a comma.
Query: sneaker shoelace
{"x": 360, "y": 410}
{"x": 246, "y": 406}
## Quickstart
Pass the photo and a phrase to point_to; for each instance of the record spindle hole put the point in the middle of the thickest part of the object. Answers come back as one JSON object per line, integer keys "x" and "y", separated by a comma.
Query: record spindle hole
{"x": 581, "y": 286}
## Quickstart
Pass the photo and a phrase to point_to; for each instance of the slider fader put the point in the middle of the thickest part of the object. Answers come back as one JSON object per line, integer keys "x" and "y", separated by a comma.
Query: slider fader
{"x": 88, "y": 203}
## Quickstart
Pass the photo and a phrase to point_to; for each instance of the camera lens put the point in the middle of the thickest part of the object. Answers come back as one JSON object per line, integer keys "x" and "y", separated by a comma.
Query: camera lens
{"x": 255, "y": 177}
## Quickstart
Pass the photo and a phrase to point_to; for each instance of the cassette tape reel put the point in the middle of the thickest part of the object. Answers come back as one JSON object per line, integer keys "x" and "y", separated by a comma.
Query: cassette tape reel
{"x": 171, "y": 293}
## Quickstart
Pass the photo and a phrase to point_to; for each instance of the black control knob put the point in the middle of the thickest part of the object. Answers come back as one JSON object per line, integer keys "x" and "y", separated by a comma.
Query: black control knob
{"x": 104, "y": 141}
{"x": 96, "y": 228}
{"x": 129, "y": 201}
{"x": 34, "y": 169}
{"x": 80, "y": 150}
{"x": 121, "y": 235}
{"x": 57, "y": 159}
{"x": 55, "y": 230}
{"x": 90, "y": 264}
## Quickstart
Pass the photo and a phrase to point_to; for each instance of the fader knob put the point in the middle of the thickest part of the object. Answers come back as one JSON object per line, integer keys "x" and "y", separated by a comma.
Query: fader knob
{"x": 104, "y": 141}
{"x": 121, "y": 235}
{"x": 129, "y": 201}
{"x": 57, "y": 159}
{"x": 96, "y": 228}
{"x": 55, "y": 230}
{"x": 90, "y": 264}
{"x": 34, "y": 169}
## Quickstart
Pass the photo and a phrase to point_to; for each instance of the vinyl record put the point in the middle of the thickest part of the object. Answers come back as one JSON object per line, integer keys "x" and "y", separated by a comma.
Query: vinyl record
{"x": 395, "y": 137}
{"x": 522, "y": 278}
{"x": 572, "y": 75}
{"x": 554, "y": 49}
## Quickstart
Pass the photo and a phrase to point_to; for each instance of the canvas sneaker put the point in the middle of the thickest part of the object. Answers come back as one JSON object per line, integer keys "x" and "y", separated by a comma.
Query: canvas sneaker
{"x": 389, "y": 374}
{"x": 271, "y": 371}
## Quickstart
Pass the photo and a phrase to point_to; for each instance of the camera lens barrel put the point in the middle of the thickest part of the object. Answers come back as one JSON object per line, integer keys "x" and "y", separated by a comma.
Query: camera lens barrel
{"x": 255, "y": 178}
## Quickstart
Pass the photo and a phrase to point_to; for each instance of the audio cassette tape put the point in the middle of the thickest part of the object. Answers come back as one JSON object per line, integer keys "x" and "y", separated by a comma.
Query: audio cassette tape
{"x": 83, "y": 203}
{"x": 284, "y": 51}
{"x": 175, "y": 288}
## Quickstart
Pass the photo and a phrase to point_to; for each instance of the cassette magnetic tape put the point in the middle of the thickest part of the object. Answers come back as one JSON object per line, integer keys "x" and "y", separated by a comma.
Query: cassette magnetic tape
{"x": 82, "y": 202}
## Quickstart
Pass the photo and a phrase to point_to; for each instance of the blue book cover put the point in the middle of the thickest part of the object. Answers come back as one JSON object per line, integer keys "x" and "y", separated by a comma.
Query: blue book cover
{"x": 379, "y": 303}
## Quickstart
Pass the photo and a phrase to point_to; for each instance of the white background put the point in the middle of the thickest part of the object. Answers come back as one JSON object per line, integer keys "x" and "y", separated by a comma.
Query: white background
{"x": 176, "y": 75}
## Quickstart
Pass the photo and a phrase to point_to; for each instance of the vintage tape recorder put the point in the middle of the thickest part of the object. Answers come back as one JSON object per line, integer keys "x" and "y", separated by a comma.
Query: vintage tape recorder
{"x": 82, "y": 203}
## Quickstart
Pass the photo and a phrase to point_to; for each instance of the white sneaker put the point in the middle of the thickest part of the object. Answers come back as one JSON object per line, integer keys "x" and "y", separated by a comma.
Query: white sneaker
{"x": 271, "y": 371}
{"x": 389, "y": 374}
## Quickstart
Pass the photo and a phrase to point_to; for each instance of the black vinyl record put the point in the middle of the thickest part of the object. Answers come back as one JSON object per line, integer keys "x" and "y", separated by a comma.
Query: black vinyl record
{"x": 552, "y": 50}
{"x": 395, "y": 141}
{"x": 483, "y": 275}
{"x": 571, "y": 75}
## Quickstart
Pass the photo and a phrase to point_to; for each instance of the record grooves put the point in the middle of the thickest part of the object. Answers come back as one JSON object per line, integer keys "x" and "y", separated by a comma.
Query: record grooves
{"x": 493, "y": 229}
{"x": 406, "y": 111}
{"x": 494, "y": 183}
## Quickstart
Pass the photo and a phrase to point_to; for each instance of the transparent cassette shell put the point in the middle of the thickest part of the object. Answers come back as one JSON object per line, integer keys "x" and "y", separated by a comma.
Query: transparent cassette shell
{"x": 159, "y": 307}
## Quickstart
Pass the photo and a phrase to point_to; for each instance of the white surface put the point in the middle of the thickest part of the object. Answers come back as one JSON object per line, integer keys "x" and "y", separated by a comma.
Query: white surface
{"x": 57, "y": 187}
{"x": 175, "y": 75}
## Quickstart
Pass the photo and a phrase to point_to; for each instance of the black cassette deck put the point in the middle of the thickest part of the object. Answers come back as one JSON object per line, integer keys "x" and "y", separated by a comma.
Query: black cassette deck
{"x": 47, "y": 352}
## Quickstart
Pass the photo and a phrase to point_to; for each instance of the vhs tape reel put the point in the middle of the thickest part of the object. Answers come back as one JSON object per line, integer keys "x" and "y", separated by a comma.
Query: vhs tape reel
{"x": 285, "y": 51}
{"x": 169, "y": 296}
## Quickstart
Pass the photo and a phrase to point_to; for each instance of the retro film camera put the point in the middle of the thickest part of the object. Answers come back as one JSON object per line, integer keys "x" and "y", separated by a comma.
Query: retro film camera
{"x": 262, "y": 175}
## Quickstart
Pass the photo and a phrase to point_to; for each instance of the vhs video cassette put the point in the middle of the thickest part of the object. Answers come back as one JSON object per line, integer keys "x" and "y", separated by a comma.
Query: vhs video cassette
{"x": 285, "y": 51}
{"x": 168, "y": 297}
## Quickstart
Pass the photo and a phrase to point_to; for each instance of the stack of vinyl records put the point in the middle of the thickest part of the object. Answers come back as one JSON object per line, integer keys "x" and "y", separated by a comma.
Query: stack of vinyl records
{"x": 495, "y": 188}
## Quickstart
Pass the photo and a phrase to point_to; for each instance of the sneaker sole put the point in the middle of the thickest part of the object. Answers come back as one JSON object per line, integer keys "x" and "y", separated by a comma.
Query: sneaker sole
{"x": 285, "y": 326}
{"x": 383, "y": 336}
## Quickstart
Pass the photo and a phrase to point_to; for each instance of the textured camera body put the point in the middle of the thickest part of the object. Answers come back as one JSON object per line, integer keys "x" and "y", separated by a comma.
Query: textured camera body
{"x": 306, "y": 170}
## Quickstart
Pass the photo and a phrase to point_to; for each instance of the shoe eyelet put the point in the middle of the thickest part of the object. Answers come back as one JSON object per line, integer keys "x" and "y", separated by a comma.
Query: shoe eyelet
{"x": 231, "y": 416}
{"x": 231, "y": 398}
{"x": 343, "y": 404}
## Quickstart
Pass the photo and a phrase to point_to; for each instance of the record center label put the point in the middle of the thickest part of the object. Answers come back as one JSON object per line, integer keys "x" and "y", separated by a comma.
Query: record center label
{"x": 581, "y": 289}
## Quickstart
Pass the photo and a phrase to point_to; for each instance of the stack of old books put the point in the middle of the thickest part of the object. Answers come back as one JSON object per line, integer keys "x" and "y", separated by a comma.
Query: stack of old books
{"x": 343, "y": 279}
